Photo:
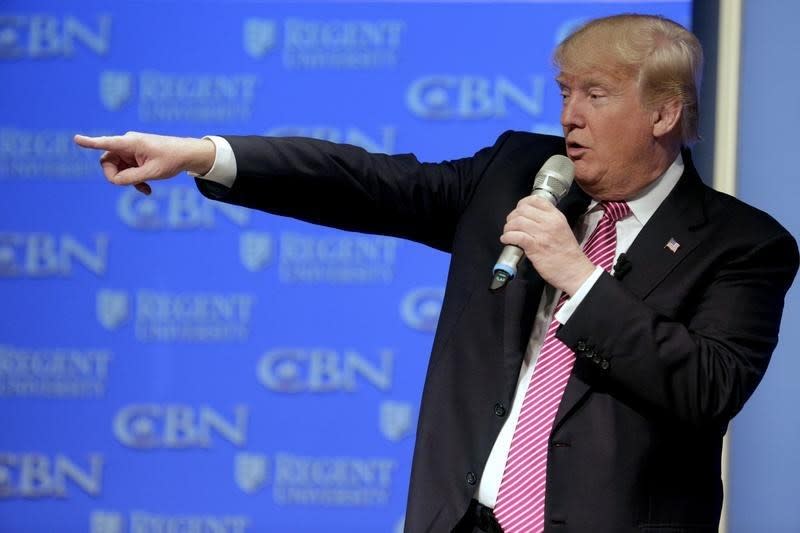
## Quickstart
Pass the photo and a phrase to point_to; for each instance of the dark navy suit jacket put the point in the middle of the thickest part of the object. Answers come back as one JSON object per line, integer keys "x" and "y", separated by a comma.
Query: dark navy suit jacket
{"x": 665, "y": 356}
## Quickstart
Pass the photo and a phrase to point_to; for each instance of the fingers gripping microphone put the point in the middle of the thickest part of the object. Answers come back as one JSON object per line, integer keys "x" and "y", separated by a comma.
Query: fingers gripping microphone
{"x": 552, "y": 182}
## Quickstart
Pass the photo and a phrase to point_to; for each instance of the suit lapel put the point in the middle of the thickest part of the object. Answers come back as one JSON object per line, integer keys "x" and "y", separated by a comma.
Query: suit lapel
{"x": 668, "y": 237}
{"x": 652, "y": 256}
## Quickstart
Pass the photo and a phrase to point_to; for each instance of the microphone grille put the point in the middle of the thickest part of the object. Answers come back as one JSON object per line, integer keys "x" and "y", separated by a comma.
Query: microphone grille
{"x": 555, "y": 176}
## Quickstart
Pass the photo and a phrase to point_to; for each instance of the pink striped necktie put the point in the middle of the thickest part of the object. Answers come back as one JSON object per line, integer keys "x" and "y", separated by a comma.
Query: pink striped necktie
{"x": 520, "y": 499}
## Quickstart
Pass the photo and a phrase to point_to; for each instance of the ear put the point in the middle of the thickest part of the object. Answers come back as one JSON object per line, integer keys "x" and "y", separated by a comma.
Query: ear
{"x": 667, "y": 118}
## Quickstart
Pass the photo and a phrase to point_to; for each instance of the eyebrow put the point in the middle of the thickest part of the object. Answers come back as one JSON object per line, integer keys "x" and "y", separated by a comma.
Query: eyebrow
{"x": 588, "y": 83}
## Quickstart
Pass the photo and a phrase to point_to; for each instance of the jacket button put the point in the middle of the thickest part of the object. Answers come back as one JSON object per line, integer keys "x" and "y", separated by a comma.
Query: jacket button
{"x": 581, "y": 345}
{"x": 471, "y": 478}
{"x": 604, "y": 364}
{"x": 499, "y": 409}
{"x": 589, "y": 354}
{"x": 596, "y": 359}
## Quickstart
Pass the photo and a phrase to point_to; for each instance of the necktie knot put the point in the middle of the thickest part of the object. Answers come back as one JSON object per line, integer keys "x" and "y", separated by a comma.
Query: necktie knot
{"x": 615, "y": 211}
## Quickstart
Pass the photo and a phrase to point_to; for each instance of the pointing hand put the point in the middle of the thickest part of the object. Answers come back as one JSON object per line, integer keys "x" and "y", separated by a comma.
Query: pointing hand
{"x": 135, "y": 158}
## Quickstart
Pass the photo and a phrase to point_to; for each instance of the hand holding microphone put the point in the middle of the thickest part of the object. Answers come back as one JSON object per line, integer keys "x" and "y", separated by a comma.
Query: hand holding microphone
{"x": 536, "y": 229}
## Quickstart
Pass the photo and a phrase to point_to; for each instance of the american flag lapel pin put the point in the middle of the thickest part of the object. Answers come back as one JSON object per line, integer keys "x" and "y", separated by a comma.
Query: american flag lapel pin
{"x": 672, "y": 245}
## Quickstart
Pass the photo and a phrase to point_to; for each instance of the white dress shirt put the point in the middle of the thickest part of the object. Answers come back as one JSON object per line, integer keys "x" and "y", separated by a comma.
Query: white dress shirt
{"x": 642, "y": 208}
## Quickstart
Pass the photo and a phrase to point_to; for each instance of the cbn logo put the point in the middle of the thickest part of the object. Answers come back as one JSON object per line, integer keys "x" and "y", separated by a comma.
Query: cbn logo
{"x": 36, "y": 254}
{"x": 321, "y": 370}
{"x": 42, "y": 36}
{"x": 112, "y": 308}
{"x": 259, "y": 36}
{"x": 382, "y": 141}
{"x": 174, "y": 426}
{"x": 255, "y": 250}
{"x": 175, "y": 207}
{"x": 447, "y": 97}
{"x": 33, "y": 475}
{"x": 116, "y": 88}
{"x": 420, "y": 308}
{"x": 105, "y": 522}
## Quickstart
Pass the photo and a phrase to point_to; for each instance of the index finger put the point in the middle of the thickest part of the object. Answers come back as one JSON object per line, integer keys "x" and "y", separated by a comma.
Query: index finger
{"x": 534, "y": 201}
{"x": 99, "y": 143}
{"x": 542, "y": 202}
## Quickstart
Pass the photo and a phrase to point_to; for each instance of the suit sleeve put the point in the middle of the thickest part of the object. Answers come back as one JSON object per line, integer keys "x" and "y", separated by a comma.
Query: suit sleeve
{"x": 698, "y": 369}
{"x": 346, "y": 187}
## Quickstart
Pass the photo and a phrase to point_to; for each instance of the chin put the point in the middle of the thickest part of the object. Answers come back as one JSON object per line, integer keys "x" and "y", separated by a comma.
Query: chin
{"x": 584, "y": 176}
{"x": 590, "y": 184}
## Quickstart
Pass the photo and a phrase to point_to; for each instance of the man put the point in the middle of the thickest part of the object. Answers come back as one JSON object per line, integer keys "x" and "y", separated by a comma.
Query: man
{"x": 570, "y": 400}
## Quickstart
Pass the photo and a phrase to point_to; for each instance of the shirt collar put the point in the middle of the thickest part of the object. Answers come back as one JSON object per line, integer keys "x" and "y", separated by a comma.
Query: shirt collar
{"x": 645, "y": 203}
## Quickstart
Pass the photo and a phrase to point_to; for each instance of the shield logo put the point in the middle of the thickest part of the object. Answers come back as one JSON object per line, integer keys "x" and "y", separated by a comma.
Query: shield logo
{"x": 395, "y": 419}
{"x": 259, "y": 36}
{"x": 105, "y": 522}
{"x": 115, "y": 89}
{"x": 255, "y": 250}
{"x": 250, "y": 471}
{"x": 112, "y": 308}
{"x": 7, "y": 265}
{"x": 420, "y": 308}
{"x": 9, "y": 42}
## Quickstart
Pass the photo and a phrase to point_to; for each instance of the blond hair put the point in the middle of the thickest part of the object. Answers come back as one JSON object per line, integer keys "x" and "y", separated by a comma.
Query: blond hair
{"x": 661, "y": 55}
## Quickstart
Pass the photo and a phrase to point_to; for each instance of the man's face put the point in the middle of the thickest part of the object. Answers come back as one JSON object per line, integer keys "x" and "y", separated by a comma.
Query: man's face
{"x": 609, "y": 134}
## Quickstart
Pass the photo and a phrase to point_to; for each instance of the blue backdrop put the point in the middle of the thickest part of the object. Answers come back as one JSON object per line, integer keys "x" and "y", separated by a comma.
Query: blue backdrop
{"x": 172, "y": 364}
{"x": 765, "y": 467}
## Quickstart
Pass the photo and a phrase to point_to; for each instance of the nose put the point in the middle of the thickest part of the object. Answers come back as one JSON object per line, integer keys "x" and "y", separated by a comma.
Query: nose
{"x": 572, "y": 114}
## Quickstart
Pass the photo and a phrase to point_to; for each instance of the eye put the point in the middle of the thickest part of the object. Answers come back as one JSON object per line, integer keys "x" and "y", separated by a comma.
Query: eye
{"x": 563, "y": 90}
{"x": 597, "y": 94}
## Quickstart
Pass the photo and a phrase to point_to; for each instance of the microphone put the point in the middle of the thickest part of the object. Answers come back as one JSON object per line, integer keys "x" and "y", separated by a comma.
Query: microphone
{"x": 552, "y": 182}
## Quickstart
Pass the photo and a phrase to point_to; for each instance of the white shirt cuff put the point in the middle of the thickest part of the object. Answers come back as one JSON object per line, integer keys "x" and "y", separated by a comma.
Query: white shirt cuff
{"x": 223, "y": 171}
{"x": 572, "y": 304}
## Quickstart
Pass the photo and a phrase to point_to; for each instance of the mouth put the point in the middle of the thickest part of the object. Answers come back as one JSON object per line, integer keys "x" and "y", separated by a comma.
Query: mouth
{"x": 575, "y": 149}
